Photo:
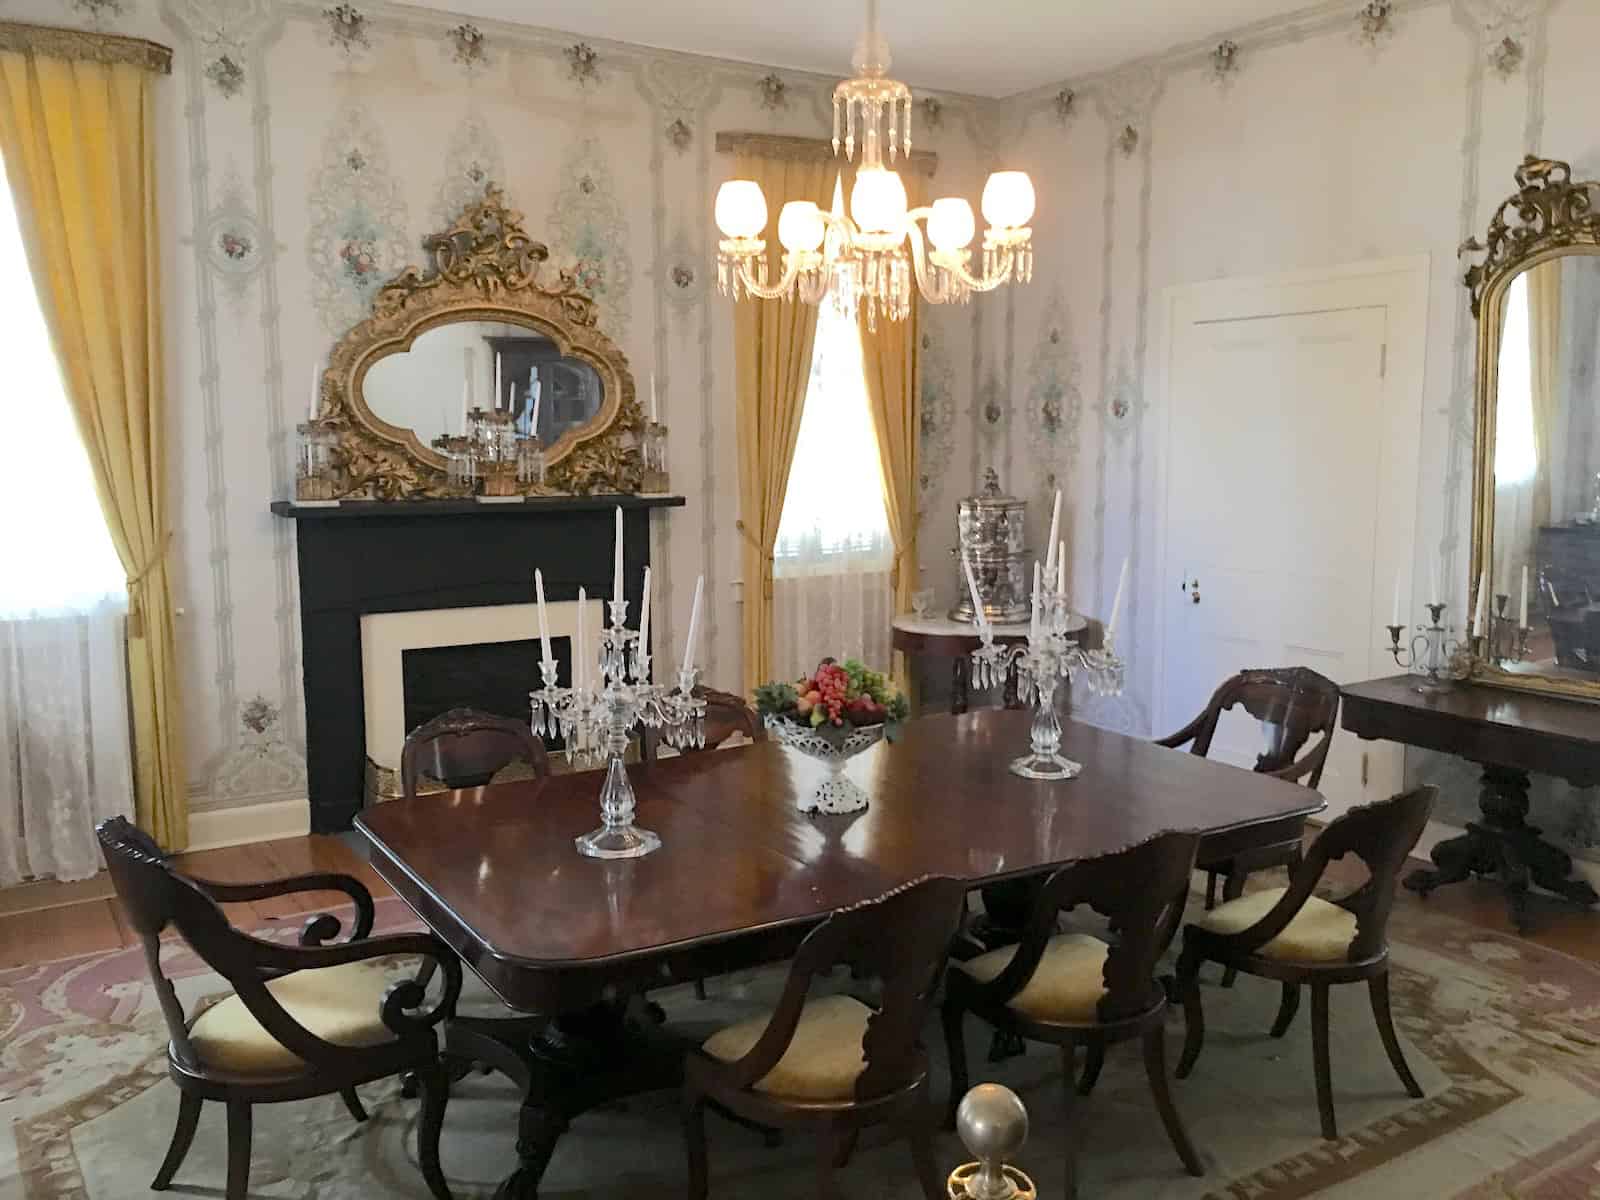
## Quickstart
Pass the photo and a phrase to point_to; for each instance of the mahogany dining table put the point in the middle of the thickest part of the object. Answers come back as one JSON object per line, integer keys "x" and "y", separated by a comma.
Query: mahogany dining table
{"x": 742, "y": 875}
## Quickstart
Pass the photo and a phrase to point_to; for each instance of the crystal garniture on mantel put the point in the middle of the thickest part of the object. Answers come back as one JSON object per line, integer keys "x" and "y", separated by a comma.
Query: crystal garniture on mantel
{"x": 597, "y": 718}
{"x": 1046, "y": 659}
{"x": 869, "y": 254}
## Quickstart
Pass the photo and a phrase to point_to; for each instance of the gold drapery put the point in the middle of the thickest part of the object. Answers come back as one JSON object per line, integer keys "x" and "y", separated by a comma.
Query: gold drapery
{"x": 891, "y": 356}
{"x": 76, "y": 129}
{"x": 772, "y": 360}
{"x": 1544, "y": 355}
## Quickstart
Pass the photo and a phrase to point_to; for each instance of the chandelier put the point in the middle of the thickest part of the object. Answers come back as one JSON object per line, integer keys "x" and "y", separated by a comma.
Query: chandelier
{"x": 868, "y": 254}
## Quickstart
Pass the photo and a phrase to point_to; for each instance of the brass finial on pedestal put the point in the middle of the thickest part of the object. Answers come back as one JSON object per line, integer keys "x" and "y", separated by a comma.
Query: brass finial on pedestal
{"x": 993, "y": 1125}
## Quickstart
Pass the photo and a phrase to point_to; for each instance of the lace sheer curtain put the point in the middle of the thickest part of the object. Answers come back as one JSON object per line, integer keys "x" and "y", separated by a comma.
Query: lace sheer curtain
{"x": 830, "y": 589}
{"x": 64, "y": 757}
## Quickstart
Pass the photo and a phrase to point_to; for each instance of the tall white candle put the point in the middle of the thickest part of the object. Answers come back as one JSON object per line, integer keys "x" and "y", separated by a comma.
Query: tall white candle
{"x": 1116, "y": 604}
{"x": 580, "y": 647}
{"x": 1055, "y": 532}
{"x": 533, "y": 418}
{"x": 655, "y": 413}
{"x": 644, "y": 623}
{"x": 694, "y": 623}
{"x": 616, "y": 561}
{"x": 1522, "y": 620}
{"x": 1033, "y": 624}
{"x": 544, "y": 621}
{"x": 977, "y": 604}
{"x": 497, "y": 380}
{"x": 1394, "y": 619}
{"x": 316, "y": 389}
{"x": 1061, "y": 569}
{"x": 1433, "y": 583}
{"x": 466, "y": 401}
{"x": 1482, "y": 606}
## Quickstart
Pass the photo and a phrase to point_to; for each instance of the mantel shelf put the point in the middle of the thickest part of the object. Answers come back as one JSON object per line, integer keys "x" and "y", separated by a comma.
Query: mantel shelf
{"x": 355, "y": 509}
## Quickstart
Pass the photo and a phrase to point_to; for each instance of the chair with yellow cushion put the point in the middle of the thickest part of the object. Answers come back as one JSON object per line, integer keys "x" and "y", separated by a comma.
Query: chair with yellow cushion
{"x": 303, "y": 1021}
{"x": 1297, "y": 938}
{"x": 833, "y": 1064}
{"x": 1072, "y": 989}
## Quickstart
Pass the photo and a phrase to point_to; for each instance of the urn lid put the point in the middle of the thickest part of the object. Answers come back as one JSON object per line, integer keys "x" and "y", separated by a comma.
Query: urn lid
{"x": 991, "y": 497}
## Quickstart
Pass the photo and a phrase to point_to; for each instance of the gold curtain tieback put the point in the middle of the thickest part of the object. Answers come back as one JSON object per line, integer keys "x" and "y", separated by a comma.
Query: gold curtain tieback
{"x": 766, "y": 556}
{"x": 136, "y": 583}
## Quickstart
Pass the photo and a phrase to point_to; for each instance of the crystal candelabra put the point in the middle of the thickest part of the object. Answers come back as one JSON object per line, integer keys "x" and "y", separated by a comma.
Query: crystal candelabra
{"x": 317, "y": 477}
{"x": 597, "y": 722}
{"x": 1434, "y": 654}
{"x": 1046, "y": 658}
{"x": 1507, "y": 639}
{"x": 653, "y": 450}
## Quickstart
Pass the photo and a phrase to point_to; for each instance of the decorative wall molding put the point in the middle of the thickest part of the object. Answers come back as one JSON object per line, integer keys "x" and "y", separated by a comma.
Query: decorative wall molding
{"x": 213, "y": 828}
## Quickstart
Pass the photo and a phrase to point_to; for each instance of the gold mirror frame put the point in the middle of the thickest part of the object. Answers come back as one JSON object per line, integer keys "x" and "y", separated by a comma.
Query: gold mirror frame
{"x": 484, "y": 267}
{"x": 1550, "y": 216}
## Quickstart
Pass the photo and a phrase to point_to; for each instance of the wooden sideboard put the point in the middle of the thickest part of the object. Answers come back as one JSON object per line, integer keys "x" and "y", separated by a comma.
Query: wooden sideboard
{"x": 1509, "y": 734}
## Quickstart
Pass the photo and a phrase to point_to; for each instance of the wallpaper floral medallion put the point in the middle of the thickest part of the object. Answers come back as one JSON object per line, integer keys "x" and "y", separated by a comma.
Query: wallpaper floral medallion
{"x": 583, "y": 64}
{"x": 358, "y": 220}
{"x": 467, "y": 47}
{"x": 1124, "y": 404}
{"x": 590, "y": 233}
{"x": 226, "y": 75}
{"x": 936, "y": 419}
{"x": 347, "y": 29}
{"x": 680, "y": 92}
{"x": 233, "y": 238}
{"x": 683, "y": 277}
{"x": 474, "y": 159}
{"x": 262, "y": 766}
{"x": 1054, "y": 412}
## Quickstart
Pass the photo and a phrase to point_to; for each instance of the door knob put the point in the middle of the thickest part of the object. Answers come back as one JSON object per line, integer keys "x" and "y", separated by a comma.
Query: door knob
{"x": 1192, "y": 586}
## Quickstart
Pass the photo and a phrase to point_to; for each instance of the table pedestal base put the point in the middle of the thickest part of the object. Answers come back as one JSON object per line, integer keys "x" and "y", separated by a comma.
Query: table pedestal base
{"x": 565, "y": 1066}
{"x": 1504, "y": 844}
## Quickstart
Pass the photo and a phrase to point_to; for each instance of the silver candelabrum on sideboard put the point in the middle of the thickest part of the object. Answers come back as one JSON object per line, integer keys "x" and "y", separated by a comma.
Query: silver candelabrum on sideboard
{"x": 1439, "y": 659}
{"x": 597, "y": 721}
{"x": 1047, "y": 658}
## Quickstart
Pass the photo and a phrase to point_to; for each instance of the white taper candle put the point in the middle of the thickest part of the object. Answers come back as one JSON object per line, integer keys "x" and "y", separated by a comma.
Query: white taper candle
{"x": 533, "y": 418}
{"x": 644, "y": 622}
{"x": 1061, "y": 569}
{"x": 544, "y": 621}
{"x": 580, "y": 647}
{"x": 1394, "y": 618}
{"x": 655, "y": 413}
{"x": 616, "y": 560}
{"x": 1055, "y": 532}
{"x": 1033, "y": 624}
{"x": 496, "y": 380}
{"x": 1116, "y": 604}
{"x": 316, "y": 388}
{"x": 1522, "y": 619}
{"x": 1480, "y": 610}
{"x": 978, "y": 614}
{"x": 694, "y": 623}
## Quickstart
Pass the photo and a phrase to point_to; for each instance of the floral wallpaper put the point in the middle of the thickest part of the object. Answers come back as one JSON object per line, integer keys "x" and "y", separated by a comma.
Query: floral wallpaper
{"x": 587, "y": 228}
{"x": 358, "y": 220}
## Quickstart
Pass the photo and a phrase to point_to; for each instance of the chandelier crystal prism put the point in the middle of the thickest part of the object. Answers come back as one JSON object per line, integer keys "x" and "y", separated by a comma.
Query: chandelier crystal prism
{"x": 867, "y": 255}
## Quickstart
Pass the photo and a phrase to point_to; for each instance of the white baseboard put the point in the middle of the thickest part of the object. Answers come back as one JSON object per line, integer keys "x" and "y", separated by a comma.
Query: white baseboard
{"x": 210, "y": 829}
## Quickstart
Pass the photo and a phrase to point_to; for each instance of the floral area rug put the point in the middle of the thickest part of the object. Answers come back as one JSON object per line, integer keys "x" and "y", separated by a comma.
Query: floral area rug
{"x": 1504, "y": 1036}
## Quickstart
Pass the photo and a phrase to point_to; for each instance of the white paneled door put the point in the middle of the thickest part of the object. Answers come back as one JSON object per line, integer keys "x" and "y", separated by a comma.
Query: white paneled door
{"x": 1289, "y": 444}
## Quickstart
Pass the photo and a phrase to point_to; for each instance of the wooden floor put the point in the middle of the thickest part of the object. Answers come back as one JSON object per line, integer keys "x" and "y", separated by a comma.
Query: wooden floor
{"x": 62, "y": 923}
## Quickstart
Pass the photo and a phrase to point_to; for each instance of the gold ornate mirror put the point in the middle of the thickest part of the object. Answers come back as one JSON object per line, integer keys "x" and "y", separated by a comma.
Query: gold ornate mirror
{"x": 1536, "y": 478}
{"x": 479, "y": 327}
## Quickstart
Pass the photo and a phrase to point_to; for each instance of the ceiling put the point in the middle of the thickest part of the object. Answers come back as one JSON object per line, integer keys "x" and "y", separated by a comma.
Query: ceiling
{"x": 992, "y": 48}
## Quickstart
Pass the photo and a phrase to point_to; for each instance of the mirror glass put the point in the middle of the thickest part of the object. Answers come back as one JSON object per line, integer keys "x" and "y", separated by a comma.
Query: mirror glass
{"x": 451, "y": 368}
{"x": 1546, "y": 552}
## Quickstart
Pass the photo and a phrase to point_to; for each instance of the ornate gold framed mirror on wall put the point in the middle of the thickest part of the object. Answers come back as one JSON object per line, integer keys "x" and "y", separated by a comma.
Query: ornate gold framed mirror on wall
{"x": 1536, "y": 475}
{"x": 480, "y": 322}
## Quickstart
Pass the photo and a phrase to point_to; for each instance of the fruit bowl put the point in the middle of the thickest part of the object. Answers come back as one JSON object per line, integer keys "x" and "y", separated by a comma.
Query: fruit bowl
{"x": 833, "y": 747}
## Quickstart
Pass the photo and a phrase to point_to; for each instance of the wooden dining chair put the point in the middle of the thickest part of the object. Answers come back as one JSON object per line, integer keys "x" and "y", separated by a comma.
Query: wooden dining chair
{"x": 1290, "y": 935}
{"x": 1292, "y": 704}
{"x": 303, "y": 1021}
{"x": 726, "y": 715}
{"x": 832, "y": 1064}
{"x": 465, "y": 748}
{"x": 1073, "y": 989}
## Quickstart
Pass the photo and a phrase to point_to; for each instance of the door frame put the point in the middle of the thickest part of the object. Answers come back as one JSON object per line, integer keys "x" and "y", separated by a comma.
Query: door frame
{"x": 1400, "y": 285}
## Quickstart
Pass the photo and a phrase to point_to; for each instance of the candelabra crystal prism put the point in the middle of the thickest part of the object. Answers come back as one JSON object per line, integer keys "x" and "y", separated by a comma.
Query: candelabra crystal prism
{"x": 597, "y": 724}
{"x": 1046, "y": 659}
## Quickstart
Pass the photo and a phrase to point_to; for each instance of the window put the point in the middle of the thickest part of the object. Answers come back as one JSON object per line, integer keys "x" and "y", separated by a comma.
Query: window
{"x": 1516, "y": 457}
{"x": 830, "y": 591}
{"x": 58, "y": 556}
{"x": 834, "y": 505}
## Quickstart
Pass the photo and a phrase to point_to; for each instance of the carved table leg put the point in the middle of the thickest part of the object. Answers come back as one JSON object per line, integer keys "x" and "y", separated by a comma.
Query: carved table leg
{"x": 960, "y": 672}
{"x": 1504, "y": 844}
{"x": 538, "y": 1130}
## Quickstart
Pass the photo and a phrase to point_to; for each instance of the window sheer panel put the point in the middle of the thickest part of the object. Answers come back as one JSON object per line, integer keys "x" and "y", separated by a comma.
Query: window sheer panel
{"x": 831, "y": 588}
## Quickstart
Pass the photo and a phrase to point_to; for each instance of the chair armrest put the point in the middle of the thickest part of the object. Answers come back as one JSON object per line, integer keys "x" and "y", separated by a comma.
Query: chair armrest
{"x": 321, "y": 927}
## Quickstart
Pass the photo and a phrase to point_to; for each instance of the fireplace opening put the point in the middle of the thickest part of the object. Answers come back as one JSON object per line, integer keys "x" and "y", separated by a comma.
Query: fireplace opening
{"x": 493, "y": 677}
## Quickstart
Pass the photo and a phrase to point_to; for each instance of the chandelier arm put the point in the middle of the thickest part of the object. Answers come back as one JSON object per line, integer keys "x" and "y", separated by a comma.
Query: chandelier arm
{"x": 937, "y": 291}
{"x": 1004, "y": 262}
{"x": 777, "y": 291}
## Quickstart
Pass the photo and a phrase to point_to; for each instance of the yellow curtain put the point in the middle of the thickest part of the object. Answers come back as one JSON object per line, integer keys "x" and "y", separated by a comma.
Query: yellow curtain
{"x": 1544, "y": 351}
{"x": 76, "y": 132}
{"x": 772, "y": 360}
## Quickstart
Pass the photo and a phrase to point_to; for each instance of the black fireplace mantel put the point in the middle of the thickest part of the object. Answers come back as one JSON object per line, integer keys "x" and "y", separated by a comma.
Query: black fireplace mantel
{"x": 364, "y": 557}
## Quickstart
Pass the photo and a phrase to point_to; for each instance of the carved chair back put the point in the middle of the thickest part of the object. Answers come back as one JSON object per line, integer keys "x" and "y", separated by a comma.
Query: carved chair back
{"x": 726, "y": 715}
{"x": 1141, "y": 891}
{"x": 465, "y": 748}
{"x": 155, "y": 895}
{"x": 1292, "y": 704}
{"x": 900, "y": 939}
{"x": 1381, "y": 834}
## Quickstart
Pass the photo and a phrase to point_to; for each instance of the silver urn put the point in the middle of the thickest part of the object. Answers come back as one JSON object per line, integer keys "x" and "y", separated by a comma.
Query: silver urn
{"x": 993, "y": 537}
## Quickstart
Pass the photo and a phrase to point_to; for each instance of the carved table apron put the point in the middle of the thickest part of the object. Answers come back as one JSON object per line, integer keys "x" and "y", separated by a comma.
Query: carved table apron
{"x": 1509, "y": 734}
{"x": 742, "y": 876}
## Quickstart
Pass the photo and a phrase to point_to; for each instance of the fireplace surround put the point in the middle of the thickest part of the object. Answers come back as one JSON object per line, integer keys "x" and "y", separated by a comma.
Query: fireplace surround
{"x": 362, "y": 558}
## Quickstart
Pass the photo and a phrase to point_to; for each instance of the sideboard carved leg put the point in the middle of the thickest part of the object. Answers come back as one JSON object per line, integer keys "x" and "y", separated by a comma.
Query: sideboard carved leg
{"x": 1453, "y": 861}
